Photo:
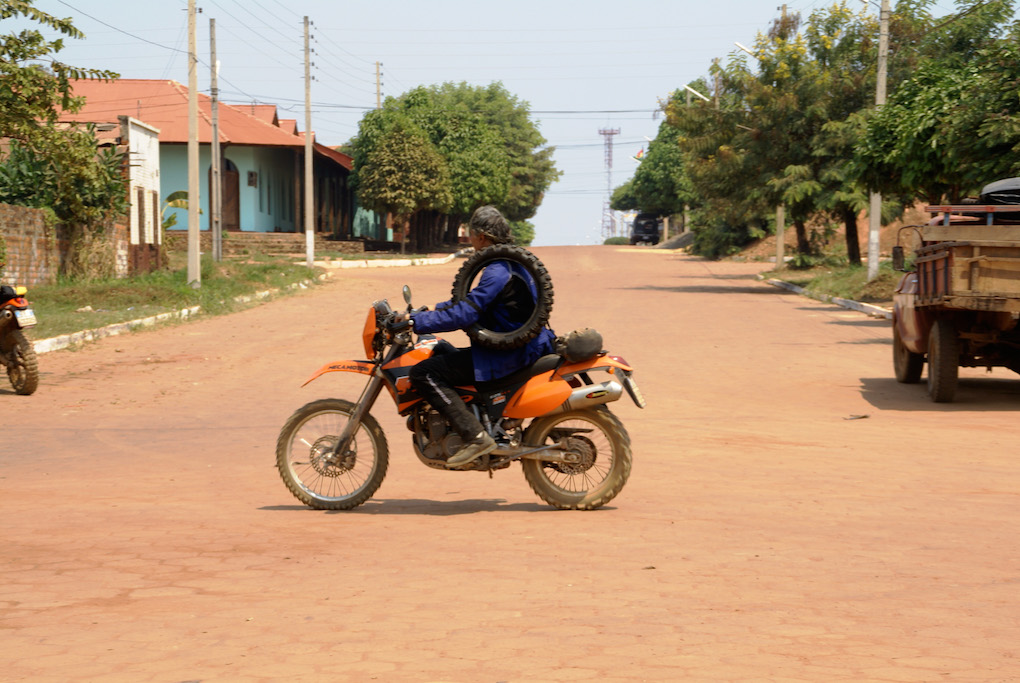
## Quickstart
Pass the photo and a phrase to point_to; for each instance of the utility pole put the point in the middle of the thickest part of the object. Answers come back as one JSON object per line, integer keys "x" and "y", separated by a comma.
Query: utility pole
{"x": 608, "y": 226}
{"x": 875, "y": 204}
{"x": 309, "y": 180}
{"x": 780, "y": 235}
{"x": 715, "y": 80}
{"x": 216, "y": 194}
{"x": 194, "y": 263}
{"x": 378, "y": 87}
{"x": 781, "y": 208}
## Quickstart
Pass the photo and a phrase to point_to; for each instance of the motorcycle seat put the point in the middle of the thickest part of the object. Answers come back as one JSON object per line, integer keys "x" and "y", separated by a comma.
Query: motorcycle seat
{"x": 543, "y": 364}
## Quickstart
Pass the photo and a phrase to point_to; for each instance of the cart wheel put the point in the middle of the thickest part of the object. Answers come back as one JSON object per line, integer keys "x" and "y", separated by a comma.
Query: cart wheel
{"x": 943, "y": 361}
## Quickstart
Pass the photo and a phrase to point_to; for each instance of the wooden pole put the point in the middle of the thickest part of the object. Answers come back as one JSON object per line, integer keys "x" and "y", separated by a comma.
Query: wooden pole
{"x": 875, "y": 203}
{"x": 309, "y": 176}
{"x": 194, "y": 227}
{"x": 216, "y": 191}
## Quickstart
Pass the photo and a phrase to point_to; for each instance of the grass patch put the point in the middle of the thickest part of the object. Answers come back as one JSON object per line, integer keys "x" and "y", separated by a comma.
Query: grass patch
{"x": 846, "y": 282}
{"x": 58, "y": 307}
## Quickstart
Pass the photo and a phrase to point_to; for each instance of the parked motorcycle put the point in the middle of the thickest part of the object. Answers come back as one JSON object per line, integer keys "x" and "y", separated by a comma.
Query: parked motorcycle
{"x": 552, "y": 417}
{"x": 16, "y": 351}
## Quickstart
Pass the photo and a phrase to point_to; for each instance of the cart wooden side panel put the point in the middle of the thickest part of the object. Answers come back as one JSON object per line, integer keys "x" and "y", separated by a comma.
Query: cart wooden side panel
{"x": 975, "y": 267}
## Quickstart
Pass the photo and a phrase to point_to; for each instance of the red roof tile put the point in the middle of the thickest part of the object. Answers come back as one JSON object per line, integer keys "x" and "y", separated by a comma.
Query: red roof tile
{"x": 164, "y": 105}
{"x": 263, "y": 112}
{"x": 289, "y": 125}
{"x": 330, "y": 153}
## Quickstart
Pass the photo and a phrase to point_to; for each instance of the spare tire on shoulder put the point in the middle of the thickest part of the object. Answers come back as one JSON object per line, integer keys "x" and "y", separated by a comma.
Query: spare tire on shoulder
{"x": 475, "y": 264}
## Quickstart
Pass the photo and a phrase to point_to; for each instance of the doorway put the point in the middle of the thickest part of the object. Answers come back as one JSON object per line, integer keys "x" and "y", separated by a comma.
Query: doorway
{"x": 230, "y": 179}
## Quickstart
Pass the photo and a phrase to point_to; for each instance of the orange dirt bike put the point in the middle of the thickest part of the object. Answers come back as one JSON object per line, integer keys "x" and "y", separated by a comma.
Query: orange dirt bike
{"x": 551, "y": 416}
{"x": 16, "y": 351}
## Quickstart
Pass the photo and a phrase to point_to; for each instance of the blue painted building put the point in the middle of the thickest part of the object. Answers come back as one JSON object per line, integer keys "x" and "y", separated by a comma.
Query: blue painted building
{"x": 262, "y": 164}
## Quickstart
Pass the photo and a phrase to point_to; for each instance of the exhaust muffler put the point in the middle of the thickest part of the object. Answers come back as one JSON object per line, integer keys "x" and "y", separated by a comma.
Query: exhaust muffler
{"x": 592, "y": 395}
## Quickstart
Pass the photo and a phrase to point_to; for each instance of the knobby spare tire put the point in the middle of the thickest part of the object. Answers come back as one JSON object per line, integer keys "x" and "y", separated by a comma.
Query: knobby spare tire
{"x": 462, "y": 283}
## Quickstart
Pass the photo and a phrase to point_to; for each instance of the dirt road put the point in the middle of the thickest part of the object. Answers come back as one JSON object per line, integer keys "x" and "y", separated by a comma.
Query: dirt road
{"x": 793, "y": 513}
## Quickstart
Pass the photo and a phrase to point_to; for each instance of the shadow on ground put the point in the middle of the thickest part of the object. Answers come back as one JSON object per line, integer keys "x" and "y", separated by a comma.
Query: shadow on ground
{"x": 421, "y": 506}
{"x": 709, "y": 289}
{"x": 1000, "y": 393}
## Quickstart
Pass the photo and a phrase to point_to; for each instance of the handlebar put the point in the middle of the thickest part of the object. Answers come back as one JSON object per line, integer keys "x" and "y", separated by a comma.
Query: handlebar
{"x": 393, "y": 325}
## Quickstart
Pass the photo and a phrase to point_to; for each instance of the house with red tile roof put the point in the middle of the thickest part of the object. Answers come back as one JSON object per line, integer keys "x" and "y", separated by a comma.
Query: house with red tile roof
{"x": 262, "y": 157}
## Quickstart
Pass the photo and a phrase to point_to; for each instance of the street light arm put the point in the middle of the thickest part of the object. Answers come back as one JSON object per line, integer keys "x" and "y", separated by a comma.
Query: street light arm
{"x": 695, "y": 92}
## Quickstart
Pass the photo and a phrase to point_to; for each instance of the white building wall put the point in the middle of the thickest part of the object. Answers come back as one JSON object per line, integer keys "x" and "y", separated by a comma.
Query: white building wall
{"x": 142, "y": 141}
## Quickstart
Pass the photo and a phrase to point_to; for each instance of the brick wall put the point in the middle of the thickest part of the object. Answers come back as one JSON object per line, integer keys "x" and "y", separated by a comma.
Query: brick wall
{"x": 33, "y": 255}
{"x": 241, "y": 243}
{"x": 37, "y": 254}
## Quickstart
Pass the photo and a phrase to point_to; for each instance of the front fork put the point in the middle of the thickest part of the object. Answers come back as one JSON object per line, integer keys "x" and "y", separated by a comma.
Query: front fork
{"x": 365, "y": 403}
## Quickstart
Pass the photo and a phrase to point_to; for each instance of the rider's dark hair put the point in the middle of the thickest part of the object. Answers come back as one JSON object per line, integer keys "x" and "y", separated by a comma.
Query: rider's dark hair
{"x": 488, "y": 221}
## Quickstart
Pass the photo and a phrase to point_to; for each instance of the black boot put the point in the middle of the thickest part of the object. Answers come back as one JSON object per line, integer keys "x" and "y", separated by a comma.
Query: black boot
{"x": 472, "y": 450}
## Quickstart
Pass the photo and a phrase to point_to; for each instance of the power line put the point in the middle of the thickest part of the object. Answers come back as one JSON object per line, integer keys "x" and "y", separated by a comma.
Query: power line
{"x": 144, "y": 40}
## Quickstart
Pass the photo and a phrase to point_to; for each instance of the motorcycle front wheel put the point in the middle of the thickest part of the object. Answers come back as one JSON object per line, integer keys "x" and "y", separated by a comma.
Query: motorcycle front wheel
{"x": 602, "y": 463}
{"x": 316, "y": 477}
{"x": 22, "y": 364}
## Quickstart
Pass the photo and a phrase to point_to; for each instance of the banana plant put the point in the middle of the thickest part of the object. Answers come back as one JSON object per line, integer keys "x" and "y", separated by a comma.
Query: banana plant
{"x": 175, "y": 200}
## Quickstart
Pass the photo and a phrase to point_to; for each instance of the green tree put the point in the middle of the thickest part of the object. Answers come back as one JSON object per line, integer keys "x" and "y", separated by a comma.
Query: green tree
{"x": 523, "y": 232}
{"x": 724, "y": 177}
{"x": 474, "y": 152}
{"x": 492, "y": 152}
{"x": 660, "y": 184}
{"x": 954, "y": 125}
{"x": 783, "y": 134}
{"x": 624, "y": 197}
{"x": 403, "y": 174}
{"x": 531, "y": 168}
{"x": 50, "y": 165}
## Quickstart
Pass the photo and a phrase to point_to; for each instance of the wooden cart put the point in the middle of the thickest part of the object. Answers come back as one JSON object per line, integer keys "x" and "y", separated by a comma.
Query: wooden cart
{"x": 961, "y": 305}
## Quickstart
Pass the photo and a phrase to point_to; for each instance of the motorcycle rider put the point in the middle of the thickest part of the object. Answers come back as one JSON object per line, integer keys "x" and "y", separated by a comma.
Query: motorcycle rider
{"x": 502, "y": 300}
{"x": 6, "y": 291}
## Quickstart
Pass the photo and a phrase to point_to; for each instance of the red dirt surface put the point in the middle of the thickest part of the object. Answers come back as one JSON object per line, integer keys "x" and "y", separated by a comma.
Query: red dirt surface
{"x": 793, "y": 514}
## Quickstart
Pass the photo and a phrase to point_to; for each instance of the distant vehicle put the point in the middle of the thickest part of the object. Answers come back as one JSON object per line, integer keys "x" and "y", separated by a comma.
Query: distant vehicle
{"x": 647, "y": 227}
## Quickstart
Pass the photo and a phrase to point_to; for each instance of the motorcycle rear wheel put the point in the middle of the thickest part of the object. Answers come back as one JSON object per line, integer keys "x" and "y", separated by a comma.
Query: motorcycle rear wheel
{"x": 303, "y": 456}
{"x": 22, "y": 363}
{"x": 602, "y": 443}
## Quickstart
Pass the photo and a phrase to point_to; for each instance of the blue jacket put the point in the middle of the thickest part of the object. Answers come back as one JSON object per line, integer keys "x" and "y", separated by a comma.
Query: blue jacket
{"x": 492, "y": 302}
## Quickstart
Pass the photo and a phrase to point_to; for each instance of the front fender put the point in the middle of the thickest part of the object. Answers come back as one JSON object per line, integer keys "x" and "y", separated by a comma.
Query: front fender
{"x": 911, "y": 321}
{"x": 362, "y": 367}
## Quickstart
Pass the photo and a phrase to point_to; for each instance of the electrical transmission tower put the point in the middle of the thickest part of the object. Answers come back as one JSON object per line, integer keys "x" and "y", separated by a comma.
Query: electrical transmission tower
{"x": 608, "y": 222}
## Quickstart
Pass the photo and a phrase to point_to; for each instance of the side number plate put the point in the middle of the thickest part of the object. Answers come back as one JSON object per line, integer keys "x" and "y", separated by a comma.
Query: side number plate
{"x": 25, "y": 318}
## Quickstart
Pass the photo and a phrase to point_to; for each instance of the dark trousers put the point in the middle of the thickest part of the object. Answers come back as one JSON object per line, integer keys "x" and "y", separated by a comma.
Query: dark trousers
{"x": 435, "y": 378}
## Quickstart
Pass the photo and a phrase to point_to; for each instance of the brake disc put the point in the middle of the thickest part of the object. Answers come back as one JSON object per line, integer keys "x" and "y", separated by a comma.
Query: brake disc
{"x": 327, "y": 464}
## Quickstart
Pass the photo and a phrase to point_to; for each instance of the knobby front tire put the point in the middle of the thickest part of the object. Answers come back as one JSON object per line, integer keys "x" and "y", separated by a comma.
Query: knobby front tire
{"x": 307, "y": 468}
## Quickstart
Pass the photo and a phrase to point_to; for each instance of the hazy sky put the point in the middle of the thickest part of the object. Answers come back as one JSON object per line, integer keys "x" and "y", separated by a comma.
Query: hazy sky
{"x": 582, "y": 65}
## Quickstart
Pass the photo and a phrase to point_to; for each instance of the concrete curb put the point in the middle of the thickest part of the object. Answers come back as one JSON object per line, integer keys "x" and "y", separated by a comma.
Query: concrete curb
{"x": 386, "y": 263}
{"x": 869, "y": 309}
{"x": 68, "y": 340}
